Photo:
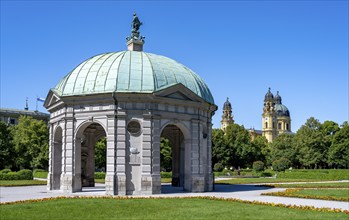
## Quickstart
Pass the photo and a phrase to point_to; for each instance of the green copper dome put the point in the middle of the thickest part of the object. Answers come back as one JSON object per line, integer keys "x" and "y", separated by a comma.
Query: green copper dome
{"x": 130, "y": 72}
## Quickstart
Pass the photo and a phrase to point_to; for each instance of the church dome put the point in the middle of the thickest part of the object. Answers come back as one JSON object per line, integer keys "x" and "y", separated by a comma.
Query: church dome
{"x": 269, "y": 96}
{"x": 282, "y": 110}
{"x": 130, "y": 72}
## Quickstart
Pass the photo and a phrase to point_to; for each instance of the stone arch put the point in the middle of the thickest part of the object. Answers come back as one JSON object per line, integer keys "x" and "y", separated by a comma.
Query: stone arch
{"x": 179, "y": 136}
{"x": 57, "y": 158}
{"x": 86, "y": 136}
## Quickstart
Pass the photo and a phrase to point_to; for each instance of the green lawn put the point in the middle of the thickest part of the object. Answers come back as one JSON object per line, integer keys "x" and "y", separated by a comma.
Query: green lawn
{"x": 325, "y": 194}
{"x": 312, "y": 185}
{"x": 163, "y": 180}
{"x": 165, "y": 208}
{"x": 21, "y": 182}
{"x": 260, "y": 180}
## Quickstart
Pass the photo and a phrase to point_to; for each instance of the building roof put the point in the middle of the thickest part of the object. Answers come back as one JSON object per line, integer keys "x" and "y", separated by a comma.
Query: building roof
{"x": 282, "y": 110}
{"x": 130, "y": 72}
{"x": 11, "y": 111}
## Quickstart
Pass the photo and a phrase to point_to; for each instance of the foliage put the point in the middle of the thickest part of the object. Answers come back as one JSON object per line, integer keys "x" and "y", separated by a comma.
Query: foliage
{"x": 282, "y": 146}
{"x": 318, "y": 174}
{"x": 338, "y": 154}
{"x": 281, "y": 164}
{"x": 12, "y": 183}
{"x": 157, "y": 208}
{"x": 266, "y": 174}
{"x": 7, "y": 150}
{"x": 20, "y": 175}
{"x": 165, "y": 154}
{"x": 166, "y": 174}
{"x": 220, "y": 153}
{"x": 5, "y": 171}
{"x": 258, "y": 166}
{"x": 101, "y": 154}
{"x": 218, "y": 167}
{"x": 99, "y": 175}
{"x": 261, "y": 149}
{"x": 30, "y": 139}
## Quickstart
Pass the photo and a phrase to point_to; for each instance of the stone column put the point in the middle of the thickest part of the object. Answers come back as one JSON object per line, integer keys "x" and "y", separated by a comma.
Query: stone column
{"x": 209, "y": 175}
{"x": 110, "y": 178}
{"x": 146, "y": 179}
{"x": 197, "y": 180}
{"x": 155, "y": 151}
{"x": 71, "y": 168}
{"x": 50, "y": 157}
{"x": 121, "y": 153}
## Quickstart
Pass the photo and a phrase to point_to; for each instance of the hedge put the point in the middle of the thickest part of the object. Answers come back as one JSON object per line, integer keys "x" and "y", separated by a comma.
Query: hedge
{"x": 166, "y": 174}
{"x": 99, "y": 175}
{"x": 20, "y": 175}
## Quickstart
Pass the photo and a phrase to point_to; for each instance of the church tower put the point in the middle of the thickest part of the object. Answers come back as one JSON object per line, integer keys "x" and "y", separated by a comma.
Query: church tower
{"x": 227, "y": 117}
{"x": 269, "y": 117}
{"x": 283, "y": 116}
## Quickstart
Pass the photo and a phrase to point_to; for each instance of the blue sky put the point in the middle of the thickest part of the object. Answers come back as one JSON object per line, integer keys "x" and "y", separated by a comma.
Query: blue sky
{"x": 240, "y": 48}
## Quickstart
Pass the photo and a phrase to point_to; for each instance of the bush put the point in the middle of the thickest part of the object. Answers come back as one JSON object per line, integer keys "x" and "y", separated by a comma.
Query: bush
{"x": 99, "y": 175}
{"x": 258, "y": 166}
{"x": 166, "y": 174}
{"x": 5, "y": 171}
{"x": 41, "y": 174}
{"x": 266, "y": 174}
{"x": 282, "y": 164}
{"x": 218, "y": 167}
{"x": 20, "y": 175}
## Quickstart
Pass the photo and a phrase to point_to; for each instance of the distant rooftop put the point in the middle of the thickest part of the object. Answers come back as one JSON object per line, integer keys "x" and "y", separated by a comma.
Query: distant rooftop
{"x": 23, "y": 112}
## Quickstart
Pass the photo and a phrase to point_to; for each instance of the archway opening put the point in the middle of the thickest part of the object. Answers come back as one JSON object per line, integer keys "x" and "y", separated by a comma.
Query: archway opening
{"x": 93, "y": 153}
{"x": 172, "y": 151}
{"x": 57, "y": 159}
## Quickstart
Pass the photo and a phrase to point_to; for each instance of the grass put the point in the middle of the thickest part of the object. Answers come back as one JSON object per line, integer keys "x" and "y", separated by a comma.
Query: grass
{"x": 325, "y": 194}
{"x": 41, "y": 174}
{"x": 21, "y": 182}
{"x": 344, "y": 185}
{"x": 260, "y": 180}
{"x": 164, "y": 208}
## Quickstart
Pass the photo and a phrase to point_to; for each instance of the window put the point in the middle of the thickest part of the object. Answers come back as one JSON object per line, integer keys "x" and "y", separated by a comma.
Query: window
{"x": 279, "y": 126}
{"x": 286, "y": 126}
{"x": 134, "y": 127}
{"x": 266, "y": 124}
{"x": 12, "y": 121}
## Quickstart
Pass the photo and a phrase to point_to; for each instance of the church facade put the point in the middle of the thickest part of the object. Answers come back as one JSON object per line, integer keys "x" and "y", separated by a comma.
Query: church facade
{"x": 276, "y": 118}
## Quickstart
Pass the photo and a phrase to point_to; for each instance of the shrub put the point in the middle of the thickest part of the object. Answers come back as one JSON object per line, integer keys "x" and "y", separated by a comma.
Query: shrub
{"x": 20, "y": 175}
{"x": 218, "y": 167}
{"x": 258, "y": 166}
{"x": 282, "y": 164}
{"x": 266, "y": 174}
{"x": 5, "y": 171}
{"x": 99, "y": 175}
{"x": 26, "y": 174}
{"x": 166, "y": 174}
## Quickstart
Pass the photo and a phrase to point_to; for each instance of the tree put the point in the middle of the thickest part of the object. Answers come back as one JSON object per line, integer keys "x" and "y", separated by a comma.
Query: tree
{"x": 261, "y": 149}
{"x": 258, "y": 166}
{"x": 281, "y": 164}
{"x": 6, "y": 147}
{"x": 30, "y": 139}
{"x": 338, "y": 154}
{"x": 165, "y": 154}
{"x": 220, "y": 152}
{"x": 100, "y": 154}
{"x": 310, "y": 145}
{"x": 283, "y": 146}
{"x": 240, "y": 151}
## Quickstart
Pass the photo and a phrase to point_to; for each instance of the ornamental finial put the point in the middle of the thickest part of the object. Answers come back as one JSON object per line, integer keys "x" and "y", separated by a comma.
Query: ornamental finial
{"x": 135, "y": 41}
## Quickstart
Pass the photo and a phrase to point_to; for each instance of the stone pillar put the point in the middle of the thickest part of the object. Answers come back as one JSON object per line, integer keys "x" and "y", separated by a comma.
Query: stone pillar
{"x": 209, "y": 175}
{"x": 110, "y": 178}
{"x": 71, "y": 169}
{"x": 50, "y": 157}
{"x": 197, "y": 180}
{"x": 155, "y": 150}
{"x": 121, "y": 153}
{"x": 146, "y": 179}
